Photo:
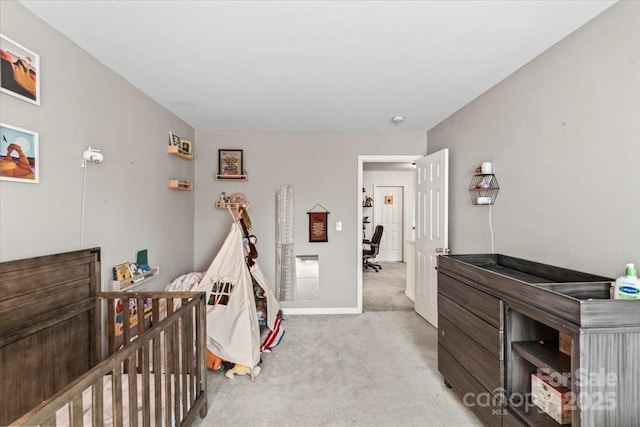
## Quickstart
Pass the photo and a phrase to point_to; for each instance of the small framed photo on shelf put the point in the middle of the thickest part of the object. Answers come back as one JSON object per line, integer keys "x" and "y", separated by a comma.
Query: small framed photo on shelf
{"x": 230, "y": 163}
{"x": 20, "y": 75}
{"x": 174, "y": 139}
{"x": 185, "y": 146}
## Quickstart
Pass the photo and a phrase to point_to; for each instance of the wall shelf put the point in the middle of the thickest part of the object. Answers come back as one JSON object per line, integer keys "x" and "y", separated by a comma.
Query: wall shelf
{"x": 220, "y": 177}
{"x": 483, "y": 189}
{"x": 176, "y": 184}
{"x": 174, "y": 150}
{"x": 137, "y": 280}
{"x": 227, "y": 205}
{"x": 179, "y": 184}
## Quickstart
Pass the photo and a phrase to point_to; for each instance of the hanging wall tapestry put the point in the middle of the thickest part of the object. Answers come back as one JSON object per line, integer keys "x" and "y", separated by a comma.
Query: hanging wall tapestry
{"x": 318, "y": 225}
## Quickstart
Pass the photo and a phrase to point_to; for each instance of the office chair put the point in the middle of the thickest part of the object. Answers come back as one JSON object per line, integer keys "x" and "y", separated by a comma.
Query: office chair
{"x": 374, "y": 248}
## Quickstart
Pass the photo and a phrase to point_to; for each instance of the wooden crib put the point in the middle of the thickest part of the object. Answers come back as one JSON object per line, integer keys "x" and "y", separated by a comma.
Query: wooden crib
{"x": 53, "y": 373}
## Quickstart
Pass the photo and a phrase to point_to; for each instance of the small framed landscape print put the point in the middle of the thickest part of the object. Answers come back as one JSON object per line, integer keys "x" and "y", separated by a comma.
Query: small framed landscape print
{"x": 20, "y": 72}
{"x": 230, "y": 163}
{"x": 174, "y": 139}
{"x": 18, "y": 154}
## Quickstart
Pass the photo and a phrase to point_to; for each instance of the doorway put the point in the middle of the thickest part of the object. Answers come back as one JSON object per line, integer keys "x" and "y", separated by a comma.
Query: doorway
{"x": 385, "y": 171}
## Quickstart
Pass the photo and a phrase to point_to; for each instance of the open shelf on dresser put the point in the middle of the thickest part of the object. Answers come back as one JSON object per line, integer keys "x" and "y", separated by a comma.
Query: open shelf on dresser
{"x": 544, "y": 355}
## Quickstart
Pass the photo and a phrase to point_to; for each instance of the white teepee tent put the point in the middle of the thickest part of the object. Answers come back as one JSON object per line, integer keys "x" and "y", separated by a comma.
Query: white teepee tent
{"x": 233, "y": 332}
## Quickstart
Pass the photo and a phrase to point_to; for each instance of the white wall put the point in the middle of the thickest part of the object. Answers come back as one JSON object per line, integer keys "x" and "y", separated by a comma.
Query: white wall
{"x": 563, "y": 133}
{"x": 128, "y": 206}
{"x": 323, "y": 168}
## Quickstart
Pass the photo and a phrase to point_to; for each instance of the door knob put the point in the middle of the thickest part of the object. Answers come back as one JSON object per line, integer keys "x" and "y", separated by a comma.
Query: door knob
{"x": 443, "y": 250}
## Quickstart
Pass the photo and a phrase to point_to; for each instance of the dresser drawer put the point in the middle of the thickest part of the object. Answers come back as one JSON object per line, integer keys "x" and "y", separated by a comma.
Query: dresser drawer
{"x": 486, "y": 368}
{"x": 483, "y": 305}
{"x": 480, "y": 331}
{"x": 471, "y": 392}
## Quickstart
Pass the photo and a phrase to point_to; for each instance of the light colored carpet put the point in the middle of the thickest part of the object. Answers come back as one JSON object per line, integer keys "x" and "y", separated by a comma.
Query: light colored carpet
{"x": 372, "y": 369}
{"x": 384, "y": 290}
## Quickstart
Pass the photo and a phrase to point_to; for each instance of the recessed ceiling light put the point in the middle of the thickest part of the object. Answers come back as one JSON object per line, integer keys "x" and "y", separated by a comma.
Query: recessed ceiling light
{"x": 396, "y": 120}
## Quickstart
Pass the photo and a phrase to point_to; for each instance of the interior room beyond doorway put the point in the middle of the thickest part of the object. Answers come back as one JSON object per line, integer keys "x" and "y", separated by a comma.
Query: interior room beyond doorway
{"x": 395, "y": 174}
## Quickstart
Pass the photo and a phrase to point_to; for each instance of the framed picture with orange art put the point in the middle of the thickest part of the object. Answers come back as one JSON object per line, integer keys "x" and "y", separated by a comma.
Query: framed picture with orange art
{"x": 19, "y": 159}
{"x": 20, "y": 71}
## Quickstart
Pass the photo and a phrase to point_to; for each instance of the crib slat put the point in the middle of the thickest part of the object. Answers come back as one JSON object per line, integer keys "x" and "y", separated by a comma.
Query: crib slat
{"x": 176, "y": 370}
{"x": 116, "y": 397}
{"x": 146, "y": 389}
{"x": 157, "y": 372}
{"x": 111, "y": 310}
{"x": 76, "y": 411}
{"x": 133, "y": 393}
{"x": 140, "y": 308}
{"x": 193, "y": 357}
{"x": 170, "y": 310}
{"x": 141, "y": 328}
{"x": 126, "y": 328}
{"x": 97, "y": 402}
{"x": 186, "y": 351}
{"x": 168, "y": 406}
{"x": 201, "y": 321}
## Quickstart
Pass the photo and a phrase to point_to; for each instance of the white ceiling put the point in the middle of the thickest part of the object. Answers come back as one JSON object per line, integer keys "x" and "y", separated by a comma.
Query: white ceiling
{"x": 315, "y": 65}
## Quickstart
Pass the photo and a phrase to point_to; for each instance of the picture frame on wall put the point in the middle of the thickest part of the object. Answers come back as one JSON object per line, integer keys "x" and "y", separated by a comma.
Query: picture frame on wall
{"x": 185, "y": 147}
{"x": 230, "y": 163}
{"x": 19, "y": 160}
{"x": 174, "y": 139}
{"x": 20, "y": 71}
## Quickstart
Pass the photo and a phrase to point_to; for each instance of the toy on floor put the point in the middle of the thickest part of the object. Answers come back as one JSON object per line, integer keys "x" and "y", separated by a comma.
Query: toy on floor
{"x": 241, "y": 370}
{"x": 213, "y": 361}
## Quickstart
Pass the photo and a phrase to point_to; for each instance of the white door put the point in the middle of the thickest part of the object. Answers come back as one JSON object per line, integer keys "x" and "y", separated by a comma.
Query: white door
{"x": 387, "y": 211}
{"x": 432, "y": 200}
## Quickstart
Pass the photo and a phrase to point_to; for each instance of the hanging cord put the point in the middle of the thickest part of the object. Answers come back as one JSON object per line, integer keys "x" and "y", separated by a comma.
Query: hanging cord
{"x": 318, "y": 204}
{"x": 491, "y": 229}
{"x": 84, "y": 195}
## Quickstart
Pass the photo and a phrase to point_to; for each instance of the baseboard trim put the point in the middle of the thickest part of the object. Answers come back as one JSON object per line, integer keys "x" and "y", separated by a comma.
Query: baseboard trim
{"x": 410, "y": 297}
{"x": 320, "y": 310}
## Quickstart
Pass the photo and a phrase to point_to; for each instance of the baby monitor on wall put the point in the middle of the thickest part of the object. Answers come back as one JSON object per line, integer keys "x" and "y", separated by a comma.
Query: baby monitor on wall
{"x": 93, "y": 155}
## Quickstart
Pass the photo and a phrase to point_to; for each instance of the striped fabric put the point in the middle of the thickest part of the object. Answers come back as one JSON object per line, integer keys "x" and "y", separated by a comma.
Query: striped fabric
{"x": 274, "y": 336}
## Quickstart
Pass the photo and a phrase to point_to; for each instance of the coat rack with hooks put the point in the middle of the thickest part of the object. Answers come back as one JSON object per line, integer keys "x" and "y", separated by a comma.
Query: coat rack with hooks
{"x": 237, "y": 201}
